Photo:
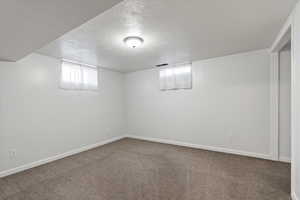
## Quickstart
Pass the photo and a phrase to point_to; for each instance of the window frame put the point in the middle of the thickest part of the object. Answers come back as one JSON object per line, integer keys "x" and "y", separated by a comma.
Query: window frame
{"x": 82, "y": 66}
{"x": 173, "y": 67}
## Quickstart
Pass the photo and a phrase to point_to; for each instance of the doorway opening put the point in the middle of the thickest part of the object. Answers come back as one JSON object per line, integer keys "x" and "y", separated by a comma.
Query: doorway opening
{"x": 284, "y": 103}
{"x": 282, "y": 67}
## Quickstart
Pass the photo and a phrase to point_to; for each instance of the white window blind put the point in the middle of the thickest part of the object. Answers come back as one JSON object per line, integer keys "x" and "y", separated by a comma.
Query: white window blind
{"x": 78, "y": 76}
{"x": 173, "y": 78}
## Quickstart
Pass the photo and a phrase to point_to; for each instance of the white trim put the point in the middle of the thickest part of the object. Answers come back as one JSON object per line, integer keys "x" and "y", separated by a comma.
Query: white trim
{"x": 287, "y": 31}
{"x": 293, "y": 90}
{"x": 294, "y": 196}
{"x": 283, "y": 36}
{"x": 274, "y": 103}
{"x": 285, "y": 159}
{"x": 57, "y": 157}
{"x": 79, "y": 63}
{"x": 204, "y": 147}
{"x": 164, "y": 141}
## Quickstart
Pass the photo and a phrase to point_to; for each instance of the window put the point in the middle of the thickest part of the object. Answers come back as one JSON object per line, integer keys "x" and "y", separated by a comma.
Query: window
{"x": 173, "y": 78}
{"x": 78, "y": 76}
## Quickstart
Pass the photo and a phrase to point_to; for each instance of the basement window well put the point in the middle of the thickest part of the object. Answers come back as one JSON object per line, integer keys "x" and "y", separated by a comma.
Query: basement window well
{"x": 75, "y": 76}
{"x": 175, "y": 78}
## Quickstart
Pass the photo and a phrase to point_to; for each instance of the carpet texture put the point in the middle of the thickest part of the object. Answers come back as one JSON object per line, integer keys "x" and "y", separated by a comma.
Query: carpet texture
{"x": 138, "y": 170}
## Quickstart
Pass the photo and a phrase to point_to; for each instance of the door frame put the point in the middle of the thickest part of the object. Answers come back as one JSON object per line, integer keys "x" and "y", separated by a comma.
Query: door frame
{"x": 283, "y": 38}
{"x": 285, "y": 35}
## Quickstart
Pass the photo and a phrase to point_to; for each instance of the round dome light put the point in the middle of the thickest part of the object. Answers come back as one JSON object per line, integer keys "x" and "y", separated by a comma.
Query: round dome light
{"x": 133, "y": 41}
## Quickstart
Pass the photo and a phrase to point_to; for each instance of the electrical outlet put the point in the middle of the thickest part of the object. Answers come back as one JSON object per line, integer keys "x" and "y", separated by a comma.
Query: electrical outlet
{"x": 12, "y": 153}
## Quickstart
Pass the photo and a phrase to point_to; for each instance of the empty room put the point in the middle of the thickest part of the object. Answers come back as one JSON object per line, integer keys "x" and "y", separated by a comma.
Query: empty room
{"x": 150, "y": 100}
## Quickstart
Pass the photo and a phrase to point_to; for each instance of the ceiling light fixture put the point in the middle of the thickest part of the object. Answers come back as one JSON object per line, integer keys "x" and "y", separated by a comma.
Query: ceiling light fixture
{"x": 133, "y": 41}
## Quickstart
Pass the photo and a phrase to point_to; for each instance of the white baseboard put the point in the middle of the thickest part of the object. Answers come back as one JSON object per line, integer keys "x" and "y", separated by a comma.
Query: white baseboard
{"x": 197, "y": 146}
{"x": 57, "y": 157}
{"x": 165, "y": 141}
{"x": 294, "y": 196}
{"x": 285, "y": 159}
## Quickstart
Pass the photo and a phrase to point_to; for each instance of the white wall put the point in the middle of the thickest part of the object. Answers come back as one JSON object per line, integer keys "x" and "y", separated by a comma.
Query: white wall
{"x": 285, "y": 104}
{"x": 296, "y": 102}
{"x": 228, "y": 107}
{"x": 39, "y": 120}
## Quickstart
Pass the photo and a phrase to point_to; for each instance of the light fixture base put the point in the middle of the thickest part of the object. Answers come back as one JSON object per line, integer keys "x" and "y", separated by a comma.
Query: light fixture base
{"x": 133, "y": 41}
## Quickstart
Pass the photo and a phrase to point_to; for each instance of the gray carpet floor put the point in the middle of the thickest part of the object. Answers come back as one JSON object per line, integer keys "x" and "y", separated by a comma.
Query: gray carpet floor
{"x": 138, "y": 170}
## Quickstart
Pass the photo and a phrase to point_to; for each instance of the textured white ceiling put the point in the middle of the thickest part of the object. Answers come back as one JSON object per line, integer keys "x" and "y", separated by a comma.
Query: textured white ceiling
{"x": 173, "y": 30}
{"x": 27, "y": 25}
